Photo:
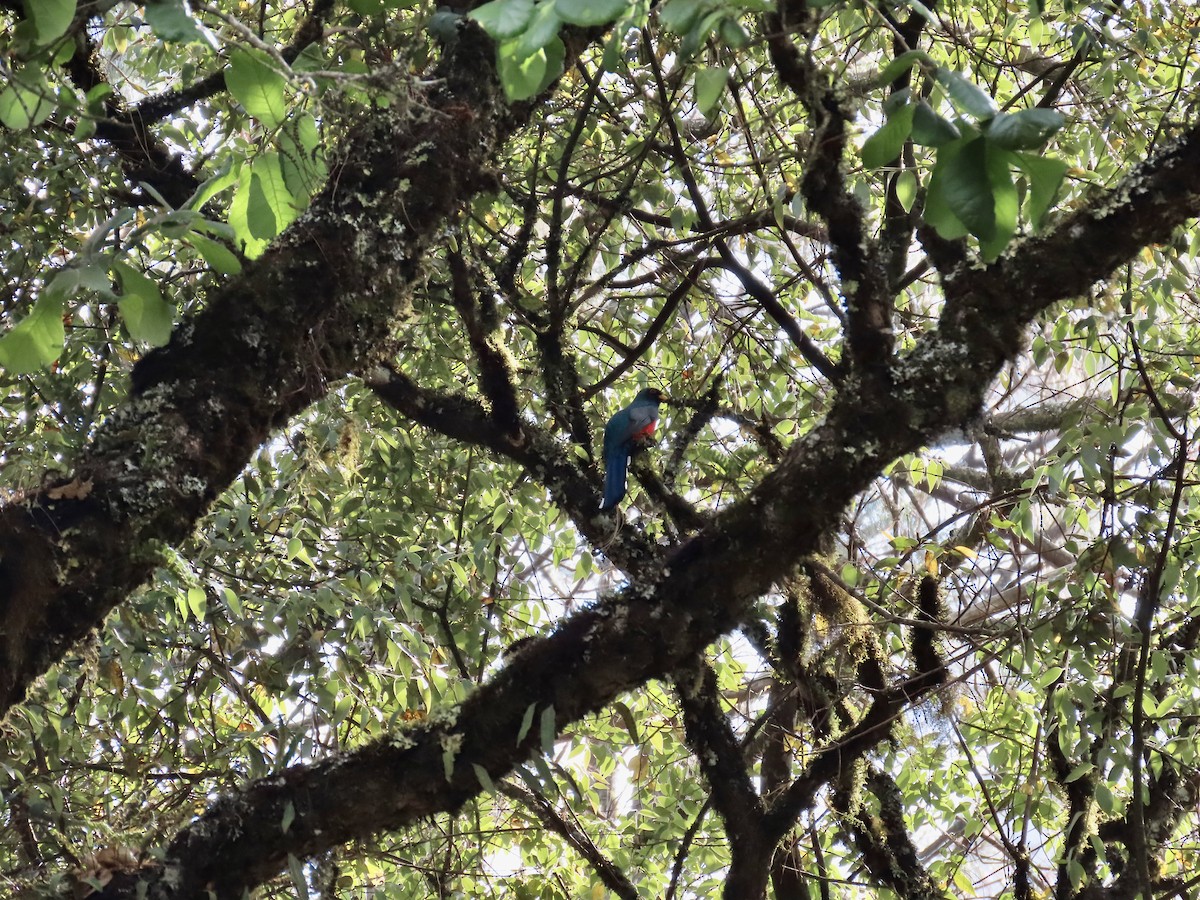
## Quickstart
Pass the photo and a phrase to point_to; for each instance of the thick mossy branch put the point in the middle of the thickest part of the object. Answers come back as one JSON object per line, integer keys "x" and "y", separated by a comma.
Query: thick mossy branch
{"x": 880, "y": 834}
{"x": 718, "y": 752}
{"x": 843, "y": 753}
{"x": 316, "y": 306}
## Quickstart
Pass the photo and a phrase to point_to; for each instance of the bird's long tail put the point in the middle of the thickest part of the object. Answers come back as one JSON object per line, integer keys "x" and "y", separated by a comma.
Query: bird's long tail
{"x": 614, "y": 478}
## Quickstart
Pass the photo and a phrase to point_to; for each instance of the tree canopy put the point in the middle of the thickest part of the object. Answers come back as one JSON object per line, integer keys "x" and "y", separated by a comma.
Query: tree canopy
{"x": 312, "y": 315}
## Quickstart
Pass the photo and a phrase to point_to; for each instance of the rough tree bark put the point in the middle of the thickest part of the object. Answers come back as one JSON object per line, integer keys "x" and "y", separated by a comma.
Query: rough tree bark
{"x": 317, "y": 306}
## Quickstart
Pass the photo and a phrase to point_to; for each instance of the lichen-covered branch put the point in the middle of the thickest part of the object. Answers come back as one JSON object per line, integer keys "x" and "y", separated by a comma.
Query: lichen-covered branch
{"x": 841, "y": 753}
{"x": 722, "y": 759}
{"x": 606, "y": 870}
{"x": 883, "y": 841}
{"x": 858, "y": 257}
{"x": 316, "y": 306}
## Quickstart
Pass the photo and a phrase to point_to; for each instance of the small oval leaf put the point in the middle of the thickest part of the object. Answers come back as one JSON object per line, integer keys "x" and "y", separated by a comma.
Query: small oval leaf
{"x": 966, "y": 95}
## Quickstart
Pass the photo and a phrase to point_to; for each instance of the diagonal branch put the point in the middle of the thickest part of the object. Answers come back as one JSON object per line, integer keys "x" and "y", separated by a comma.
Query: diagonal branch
{"x": 314, "y": 307}
{"x": 664, "y": 316}
{"x": 606, "y": 870}
{"x": 751, "y": 283}
{"x": 884, "y": 844}
{"x": 859, "y": 259}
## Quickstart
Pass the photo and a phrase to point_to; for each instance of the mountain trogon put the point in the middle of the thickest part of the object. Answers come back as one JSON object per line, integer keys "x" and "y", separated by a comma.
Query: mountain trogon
{"x": 629, "y": 426}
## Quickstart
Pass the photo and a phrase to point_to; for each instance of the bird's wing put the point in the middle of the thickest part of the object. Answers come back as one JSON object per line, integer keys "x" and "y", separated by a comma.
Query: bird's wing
{"x": 616, "y": 432}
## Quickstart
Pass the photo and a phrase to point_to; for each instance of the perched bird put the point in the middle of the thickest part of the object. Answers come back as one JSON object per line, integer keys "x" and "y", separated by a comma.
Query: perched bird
{"x": 627, "y": 427}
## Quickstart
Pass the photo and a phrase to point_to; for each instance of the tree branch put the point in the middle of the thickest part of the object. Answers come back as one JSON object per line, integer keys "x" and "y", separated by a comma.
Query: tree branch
{"x": 858, "y": 257}
{"x": 722, "y": 760}
{"x": 546, "y": 461}
{"x": 606, "y": 870}
{"x": 314, "y": 307}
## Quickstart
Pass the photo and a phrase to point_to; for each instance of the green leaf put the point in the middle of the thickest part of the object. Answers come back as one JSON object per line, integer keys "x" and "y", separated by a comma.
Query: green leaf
{"x": 966, "y": 95}
{"x": 302, "y": 158}
{"x": 931, "y": 130}
{"x": 556, "y": 54}
{"x": 527, "y": 77}
{"x": 51, "y": 18}
{"x": 906, "y": 188}
{"x": 627, "y": 719}
{"x": 289, "y": 816}
{"x": 262, "y": 206}
{"x": 270, "y": 186}
{"x": 1045, "y": 176}
{"x": 937, "y": 210}
{"x": 503, "y": 19}
{"x": 547, "y": 730}
{"x": 148, "y": 317}
{"x": 531, "y": 781}
{"x": 1006, "y": 200}
{"x": 172, "y": 21}
{"x": 299, "y": 882}
{"x": 310, "y": 59}
{"x": 211, "y": 187}
{"x": 27, "y": 101}
{"x": 1048, "y": 676}
{"x": 1028, "y": 129}
{"x": 698, "y": 34}
{"x": 902, "y": 64}
{"x": 485, "y": 780}
{"x": 85, "y": 273}
{"x": 968, "y": 190}
{"x": 253, "y": 81}
{"x": 542, "y": 28}
{"x": 177, "y": 223}
{"x": 217, "y": 255}
{"x": 884, "y": 146}
{"x": 589, "y": 13}
{"x": 233, "y": 601}
{"x": 222, "y": 230}
{"x": 545, "y": 774}
{"x": 197, "y": 603}
{"x": 37, "y": 340}
{"x": 526, "y": 722}
{"x": 733, "y": 34}
{"x": 681, "y": 15}
{"x": 710, "y": 84}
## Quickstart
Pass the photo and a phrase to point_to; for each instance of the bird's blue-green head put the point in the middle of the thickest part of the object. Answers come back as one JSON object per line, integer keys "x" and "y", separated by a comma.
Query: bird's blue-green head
{"x": 650, "y": 395}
